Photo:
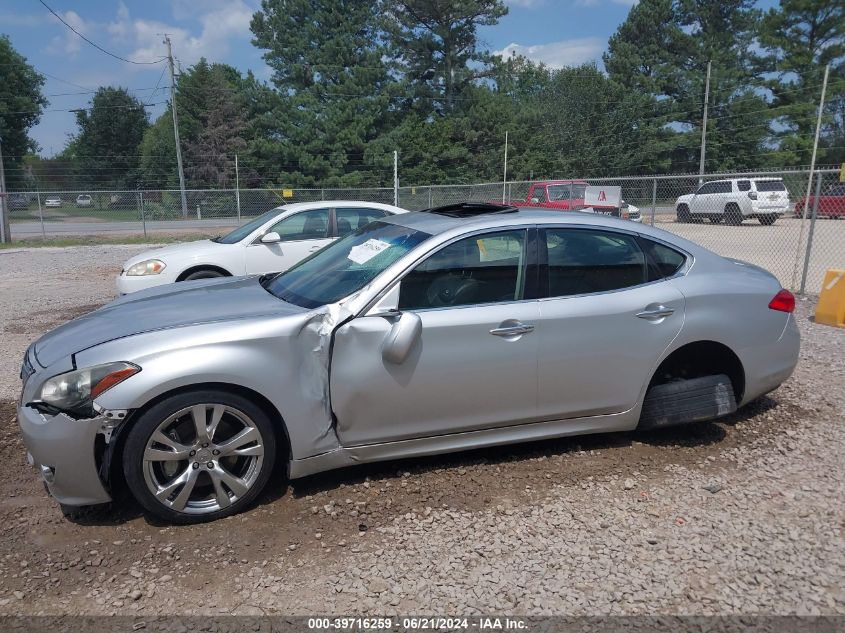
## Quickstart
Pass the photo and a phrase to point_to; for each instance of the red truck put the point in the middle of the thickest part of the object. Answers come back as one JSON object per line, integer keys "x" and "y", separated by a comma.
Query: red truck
{"x": 568, "y": 195}
{"x": 831, "y": 203}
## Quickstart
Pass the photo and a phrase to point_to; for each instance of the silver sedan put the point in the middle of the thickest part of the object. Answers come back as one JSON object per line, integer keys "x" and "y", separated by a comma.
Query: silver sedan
{"x": 463, "y": 326}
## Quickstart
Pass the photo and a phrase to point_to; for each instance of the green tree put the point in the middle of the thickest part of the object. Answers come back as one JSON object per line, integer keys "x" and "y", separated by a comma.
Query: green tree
{"x": 110, "y": 134}
{"x": 21, "y": 105}
{"x": 662, "y": 49}
{"x": 334, "y": 89}
{"x": 800, "y": 37}
{"x": 158, "y": 155}
{"x": 435, "y": 46}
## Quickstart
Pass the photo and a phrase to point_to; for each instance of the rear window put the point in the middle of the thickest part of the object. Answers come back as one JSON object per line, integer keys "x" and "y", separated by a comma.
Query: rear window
{"x": 770, "y": 185}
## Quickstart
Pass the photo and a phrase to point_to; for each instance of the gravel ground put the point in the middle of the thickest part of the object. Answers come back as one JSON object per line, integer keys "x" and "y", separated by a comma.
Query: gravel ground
{"x": 744, "y": 516}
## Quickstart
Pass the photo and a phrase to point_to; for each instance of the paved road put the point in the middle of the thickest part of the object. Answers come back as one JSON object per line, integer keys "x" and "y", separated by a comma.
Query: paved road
{"x": 28, "y": 229}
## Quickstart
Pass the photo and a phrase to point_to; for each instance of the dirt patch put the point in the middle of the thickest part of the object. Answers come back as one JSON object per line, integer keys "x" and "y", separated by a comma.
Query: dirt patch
{"x": 40, "y": 321}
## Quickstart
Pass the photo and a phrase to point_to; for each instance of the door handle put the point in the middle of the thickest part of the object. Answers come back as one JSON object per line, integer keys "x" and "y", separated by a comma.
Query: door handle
{"x": 512, "y": 330}
{"x": 656, "y": 312}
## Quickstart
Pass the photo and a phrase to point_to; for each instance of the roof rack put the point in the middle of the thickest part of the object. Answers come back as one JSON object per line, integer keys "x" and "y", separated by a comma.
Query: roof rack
{"x": 471, "y": 209}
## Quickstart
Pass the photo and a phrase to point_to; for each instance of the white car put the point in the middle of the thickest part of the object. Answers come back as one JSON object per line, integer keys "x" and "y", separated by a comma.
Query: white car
{"x": 83, "y": 200}
{"x": 53, "y": 201}
{"x": 270, "y": 243}
{"x": 735, "y": 200}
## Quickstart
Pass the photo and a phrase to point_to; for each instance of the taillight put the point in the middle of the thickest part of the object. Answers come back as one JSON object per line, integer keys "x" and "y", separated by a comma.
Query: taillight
{"x": 784, "y": 301}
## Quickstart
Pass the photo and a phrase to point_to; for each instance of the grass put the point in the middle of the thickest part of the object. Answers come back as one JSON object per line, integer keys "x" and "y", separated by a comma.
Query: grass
{"x": 86, "y": 240}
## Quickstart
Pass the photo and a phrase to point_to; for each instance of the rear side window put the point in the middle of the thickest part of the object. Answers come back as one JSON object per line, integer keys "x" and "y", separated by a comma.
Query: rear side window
{"x": 770, "y": 185}
{"x": 662, "y": 261}
{"x": 586, "y": 261}
{"x": 744, "y": 185}
{"x": 349, "y": 220}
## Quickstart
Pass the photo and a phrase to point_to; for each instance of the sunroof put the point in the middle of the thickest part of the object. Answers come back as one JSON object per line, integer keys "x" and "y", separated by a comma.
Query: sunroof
{"x": 472, "y": 209}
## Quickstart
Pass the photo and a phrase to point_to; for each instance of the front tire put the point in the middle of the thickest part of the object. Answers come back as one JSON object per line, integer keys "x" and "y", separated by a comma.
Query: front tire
{"x": 683, "y": 213}
{"x": 203, "y": 274}
{"x": 199, "y": 456}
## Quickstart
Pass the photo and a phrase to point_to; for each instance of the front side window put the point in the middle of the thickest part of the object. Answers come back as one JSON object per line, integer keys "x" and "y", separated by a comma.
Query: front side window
{"x": 574, "y": 191}
{"x": 723, "y": 187}
{"x": 307, "y": 225}
{"x": 345, "y": 266}
{"x": 244, "y": 230}
{"x": 349, "y": 220}
{"x": 585, "y": 261}
{"x": 706, "y": 188}
{"x": 489, "y": 268}
{"x": 540, "y": 194}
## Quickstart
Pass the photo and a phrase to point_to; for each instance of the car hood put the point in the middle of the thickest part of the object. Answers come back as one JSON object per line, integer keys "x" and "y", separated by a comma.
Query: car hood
{"x": 175, "y": 250}
{"x": 684, "y": 198}
{"x": 163, "y": 307}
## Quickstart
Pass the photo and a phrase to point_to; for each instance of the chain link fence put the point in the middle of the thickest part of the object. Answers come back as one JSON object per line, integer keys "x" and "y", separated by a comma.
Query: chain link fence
{"x": 761, "y": 217}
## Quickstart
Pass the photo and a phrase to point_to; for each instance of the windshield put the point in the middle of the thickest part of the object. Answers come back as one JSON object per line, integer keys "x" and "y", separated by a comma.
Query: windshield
{"x": 561, "y": 192}
{"x": 242, "y": 231}
{"x": 345, "y": 266}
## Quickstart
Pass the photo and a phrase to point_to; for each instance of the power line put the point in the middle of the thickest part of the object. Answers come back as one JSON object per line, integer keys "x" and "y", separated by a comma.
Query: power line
{"x": 94, "y": 44}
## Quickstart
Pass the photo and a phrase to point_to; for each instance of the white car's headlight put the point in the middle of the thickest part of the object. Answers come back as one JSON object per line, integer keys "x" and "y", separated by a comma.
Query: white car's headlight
{"x": 146, "y": 267}
{"x": 75, "y": 391}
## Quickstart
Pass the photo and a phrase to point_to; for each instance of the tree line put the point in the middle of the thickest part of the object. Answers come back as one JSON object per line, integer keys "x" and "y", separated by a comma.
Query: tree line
{"x": 353, "y": 80}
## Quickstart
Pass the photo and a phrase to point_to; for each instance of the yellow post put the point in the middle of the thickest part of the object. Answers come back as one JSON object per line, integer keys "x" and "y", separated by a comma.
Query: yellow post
{"x": 830, "y": 309}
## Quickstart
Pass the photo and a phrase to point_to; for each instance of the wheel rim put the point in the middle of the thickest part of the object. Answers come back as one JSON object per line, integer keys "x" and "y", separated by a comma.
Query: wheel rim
{"x": 203, "y": 458}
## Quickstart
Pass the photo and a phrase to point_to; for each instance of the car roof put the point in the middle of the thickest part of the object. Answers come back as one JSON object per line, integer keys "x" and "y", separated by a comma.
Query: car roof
{"x": 339, "y": 204}
{"x": 435, "y": 223}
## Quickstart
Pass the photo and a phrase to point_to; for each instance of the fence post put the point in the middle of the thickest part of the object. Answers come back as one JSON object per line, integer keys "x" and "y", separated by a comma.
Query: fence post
{"x": 237, "y": 188}
{"x": 819, "y": 177}
{"x": 653, "y": 200}
{"x": 429, "y": 196}
{"x": 143, "y": 215}
{"x": 41, "y": 216}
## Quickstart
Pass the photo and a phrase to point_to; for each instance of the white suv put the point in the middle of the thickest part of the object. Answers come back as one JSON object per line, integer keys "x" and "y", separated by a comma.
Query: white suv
{"x": 735, "y": 200}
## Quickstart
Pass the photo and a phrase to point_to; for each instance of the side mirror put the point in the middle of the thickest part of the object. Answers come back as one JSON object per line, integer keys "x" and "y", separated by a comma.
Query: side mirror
{"x": 271, "y": 238}
{"x": 624, "y": 205}
{"x": 535, "y": 200}
{"x": 401, "y": 338}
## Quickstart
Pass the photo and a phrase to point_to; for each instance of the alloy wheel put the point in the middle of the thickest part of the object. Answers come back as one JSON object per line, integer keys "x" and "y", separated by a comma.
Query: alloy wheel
{"x": 203, "y": 458}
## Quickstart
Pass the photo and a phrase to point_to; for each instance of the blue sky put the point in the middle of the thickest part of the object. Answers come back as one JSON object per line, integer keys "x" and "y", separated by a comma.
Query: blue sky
{"x": 558, "y": 32}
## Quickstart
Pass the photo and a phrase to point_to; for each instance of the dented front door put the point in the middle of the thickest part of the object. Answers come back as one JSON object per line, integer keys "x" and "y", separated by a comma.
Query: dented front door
{"x": 463, "y": 374}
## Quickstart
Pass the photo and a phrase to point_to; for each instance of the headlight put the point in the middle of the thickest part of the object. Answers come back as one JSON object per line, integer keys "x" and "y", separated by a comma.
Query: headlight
{"x": 147, "y": 267}
{"x": 74, "y": 392}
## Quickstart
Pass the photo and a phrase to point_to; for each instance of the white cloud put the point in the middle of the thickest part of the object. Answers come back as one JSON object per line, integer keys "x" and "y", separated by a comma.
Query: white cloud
{"x": 226, "y": 20}
{"x": 68, "y": 42}
{"x": 559, "y": 54}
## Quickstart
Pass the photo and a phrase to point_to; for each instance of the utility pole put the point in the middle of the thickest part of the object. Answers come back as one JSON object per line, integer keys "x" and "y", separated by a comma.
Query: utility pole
{"x": 5, "y": 235}
{"x": 810, "y": 178}
{"x": 176, "y": 127}
{"x": 237, "y": 188}
{"x": 505, "y": 175}
{"x": 704, "y": 126}
{"x": 395, "y": 178}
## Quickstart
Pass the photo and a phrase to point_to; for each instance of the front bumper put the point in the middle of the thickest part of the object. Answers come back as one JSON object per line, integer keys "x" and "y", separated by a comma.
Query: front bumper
{"x": 126, "y": 285}
{"x": 63, "y": 451}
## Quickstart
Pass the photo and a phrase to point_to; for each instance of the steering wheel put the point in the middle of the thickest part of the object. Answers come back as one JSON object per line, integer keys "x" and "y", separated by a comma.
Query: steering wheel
{"x": 451, "y": 290}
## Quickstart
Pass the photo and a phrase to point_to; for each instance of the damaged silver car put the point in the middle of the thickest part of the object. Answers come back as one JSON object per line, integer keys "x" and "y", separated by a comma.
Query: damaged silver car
{"x": 464, "y": 326}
